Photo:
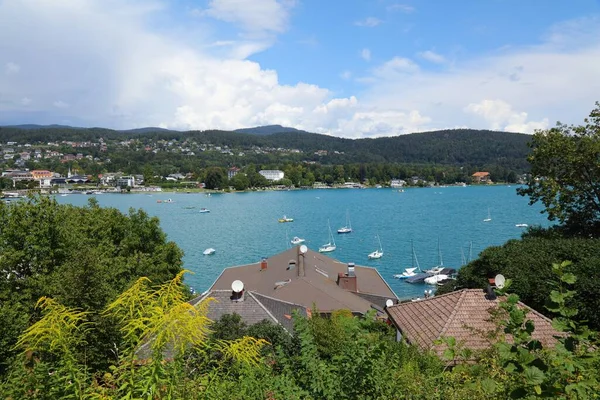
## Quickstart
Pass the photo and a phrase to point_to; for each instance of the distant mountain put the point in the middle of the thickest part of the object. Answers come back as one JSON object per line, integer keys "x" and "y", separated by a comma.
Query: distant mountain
{"x": 147, "y": 130}
{"x": 268, "y": 130}
{"x": 34, "y": 126}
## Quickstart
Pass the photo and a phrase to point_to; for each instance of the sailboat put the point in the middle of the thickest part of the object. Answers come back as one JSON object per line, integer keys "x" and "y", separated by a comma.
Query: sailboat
{"x": 489, "y": 217}
{"x": 330, "y": 246}
{"x": 377, "y": 253}
{"x": 440, "y": 267}
{"x": 408, "y": 272}
{"x": 348, "y": 227}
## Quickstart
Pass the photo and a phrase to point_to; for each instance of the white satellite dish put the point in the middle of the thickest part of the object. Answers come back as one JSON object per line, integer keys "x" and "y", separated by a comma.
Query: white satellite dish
{"x": 500, "y": 281}
{"x": 303, "y": 249}
{"x": 237, "y": 286}
{"x": 389, "y": 303}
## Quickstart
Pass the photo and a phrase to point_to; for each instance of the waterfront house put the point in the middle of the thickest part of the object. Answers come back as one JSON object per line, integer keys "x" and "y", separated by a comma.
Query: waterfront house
{"x": 293, "y": 280}
{"x": 272, "y": 174}
{"x": 466, "y": 315}
{"x": 233, "y": 171}
{"x": 481, "y": 177}
{"x": 126, "y": 181}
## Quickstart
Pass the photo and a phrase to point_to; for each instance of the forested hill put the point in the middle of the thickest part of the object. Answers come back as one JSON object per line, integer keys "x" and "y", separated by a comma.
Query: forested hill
{"x": 456, "y": 147}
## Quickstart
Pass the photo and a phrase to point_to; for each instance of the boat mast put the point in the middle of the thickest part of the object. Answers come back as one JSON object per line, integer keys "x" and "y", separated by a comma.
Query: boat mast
{"x": 441, "y": 261}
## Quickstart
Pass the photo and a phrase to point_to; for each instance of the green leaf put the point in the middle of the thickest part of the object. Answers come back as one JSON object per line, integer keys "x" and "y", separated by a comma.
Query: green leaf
{"x": 534, "y": 376}
{"x": 568, "y": 278}
{"x": 488, "y": 386}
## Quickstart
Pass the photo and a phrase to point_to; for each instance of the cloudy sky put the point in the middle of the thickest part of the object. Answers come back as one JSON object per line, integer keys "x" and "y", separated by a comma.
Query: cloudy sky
{"x": 351, "y": 68}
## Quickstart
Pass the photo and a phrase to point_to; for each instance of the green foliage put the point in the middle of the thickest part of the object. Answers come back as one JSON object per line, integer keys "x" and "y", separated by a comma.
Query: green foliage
{"x": 81, "y": 256}
{"x": 566, "y": 174}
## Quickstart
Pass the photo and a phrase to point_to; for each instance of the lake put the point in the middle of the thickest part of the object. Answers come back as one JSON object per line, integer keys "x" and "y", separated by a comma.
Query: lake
{"x": 243, "y": 227}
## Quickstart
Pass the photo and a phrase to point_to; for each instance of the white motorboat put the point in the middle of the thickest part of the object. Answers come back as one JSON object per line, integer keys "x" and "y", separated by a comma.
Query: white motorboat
{"x": 296, "y": 240}
{"x": 521, "y": 225}
{"x": 377, "y": 253}
{"x": 208, "y": 252}
{"x": 348, "y": 227}
{"x": 204, "y": 210}
{"x": 435, "y": 279}
{"x": 329, "y": 246}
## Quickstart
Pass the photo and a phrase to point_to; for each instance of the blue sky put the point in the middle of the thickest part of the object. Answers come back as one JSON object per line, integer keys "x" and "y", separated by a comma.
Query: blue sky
{"x": 346, "y": 68}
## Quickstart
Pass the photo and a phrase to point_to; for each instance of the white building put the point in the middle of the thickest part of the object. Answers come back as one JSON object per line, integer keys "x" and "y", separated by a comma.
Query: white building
{"x": 126, "y": 181}
{"x": 397, "y": 183}
{"x": 272, "y": 174}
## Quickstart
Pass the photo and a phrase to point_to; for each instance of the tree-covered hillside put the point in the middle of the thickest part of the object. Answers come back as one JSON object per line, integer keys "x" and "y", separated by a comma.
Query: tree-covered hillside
{"x": 450, "y": 147}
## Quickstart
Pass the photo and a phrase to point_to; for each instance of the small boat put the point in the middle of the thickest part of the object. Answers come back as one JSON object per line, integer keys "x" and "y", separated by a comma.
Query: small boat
{"x": 330, "y": 246}
{"x": 286, "y": 219}
{"x": 489, "y": 217}
{"x": 296, "y": 240}
{"x": 435, "y": 279}
{"x": 440, "y": 267}
{"x": 208, "y": 252}
{"x": 521, "y": 225}
{"x": 348, "y": 227}
{"x": 204, "y": 210}
{"x": 168, "y": 201}
{"x": 410, "y": 272}
{"x": 377, "y": 254}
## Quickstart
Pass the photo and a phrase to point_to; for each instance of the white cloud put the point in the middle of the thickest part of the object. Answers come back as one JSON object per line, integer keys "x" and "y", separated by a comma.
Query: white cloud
{"x": 501, "y": 116}
{"x": 254, "y": 16}
{"x": 60, "y": 104}
{"x": 369, "y": 22}
{"x": 12, "y": 68}
{"x": 365, "y": 54}
{"x": 112, "y": 70}
{"x": 432, "y": 57}
{"x": 390, "y": 70}
{"x": 405, "y": 8}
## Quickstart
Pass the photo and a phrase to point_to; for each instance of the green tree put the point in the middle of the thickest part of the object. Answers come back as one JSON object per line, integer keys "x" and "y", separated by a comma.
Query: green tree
{"x": 215, "y": 178}
{"x": 240, "y": 181}
{"x": 81, "y": 256}
{"x": 565, "y": 174}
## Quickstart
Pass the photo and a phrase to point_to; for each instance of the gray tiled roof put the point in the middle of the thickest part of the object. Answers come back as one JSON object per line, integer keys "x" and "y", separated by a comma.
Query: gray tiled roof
{"x": 253, "y": 309}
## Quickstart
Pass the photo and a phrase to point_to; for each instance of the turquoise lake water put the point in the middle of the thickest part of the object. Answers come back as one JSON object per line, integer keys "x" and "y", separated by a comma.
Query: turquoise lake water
{"x": 243, "y": 227}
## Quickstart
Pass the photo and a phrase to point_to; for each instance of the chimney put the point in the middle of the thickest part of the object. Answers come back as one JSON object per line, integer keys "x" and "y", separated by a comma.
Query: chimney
{"x": 350, "y": 269}
{"x": 348, "y": 281}
{"x": 237, "y": 291}
{"x": 263, "y": 264}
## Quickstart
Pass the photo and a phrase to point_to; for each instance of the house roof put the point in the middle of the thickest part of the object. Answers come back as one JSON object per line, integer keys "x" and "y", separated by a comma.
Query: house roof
{"x": 481, "y": 174}
{"x": 464, "y": 315}
{"x": 283, "y": 280}
{"x": 253, "y": 309}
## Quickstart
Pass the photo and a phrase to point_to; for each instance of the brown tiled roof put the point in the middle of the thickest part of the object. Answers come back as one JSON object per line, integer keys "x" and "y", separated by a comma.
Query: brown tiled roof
{"x": 480, "y": 174}
{"x": 318, "y": 285}
{"x": 464, "y": 315}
